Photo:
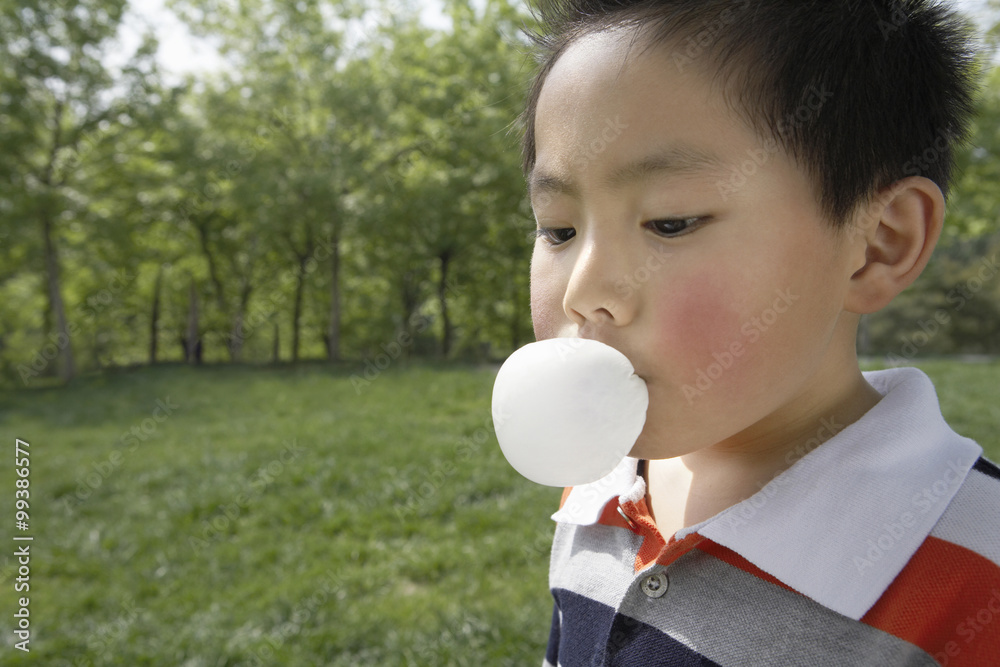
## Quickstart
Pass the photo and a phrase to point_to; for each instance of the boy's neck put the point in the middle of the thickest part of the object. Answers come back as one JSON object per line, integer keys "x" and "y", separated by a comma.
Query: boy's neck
{"x": 689, "y": 489}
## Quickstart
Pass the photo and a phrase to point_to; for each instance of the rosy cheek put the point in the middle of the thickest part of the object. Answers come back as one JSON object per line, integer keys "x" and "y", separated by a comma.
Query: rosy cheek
{"x": 699, "y": 324}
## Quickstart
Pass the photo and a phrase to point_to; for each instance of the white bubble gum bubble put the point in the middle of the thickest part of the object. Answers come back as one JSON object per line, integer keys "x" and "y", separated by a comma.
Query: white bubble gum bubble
{"x": 567, "y": 410}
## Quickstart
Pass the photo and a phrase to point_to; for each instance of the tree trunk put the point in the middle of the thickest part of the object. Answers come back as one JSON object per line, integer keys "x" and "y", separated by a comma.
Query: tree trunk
{"x": 300, "y": 285}
{"x": 154, "y": 320}
{"x": 213, "y": 272}
{"x": 99, "y": 348}
{"x": 67, "y": 367}
{"x": 333, "y": 332}
{"x": 276, "y": 348}
{"x": 445, "y": 258}
{"x": 238, "y": 336}
{"x": 410, "y": 301}
{"x": 192, "y": 353}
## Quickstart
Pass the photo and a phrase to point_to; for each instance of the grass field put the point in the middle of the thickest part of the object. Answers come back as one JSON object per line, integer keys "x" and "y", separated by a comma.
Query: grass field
{"x": 253, "y": 516}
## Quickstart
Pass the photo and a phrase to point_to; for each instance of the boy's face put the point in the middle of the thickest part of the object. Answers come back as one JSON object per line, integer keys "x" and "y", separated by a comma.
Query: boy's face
{"x": 681, "y": 238}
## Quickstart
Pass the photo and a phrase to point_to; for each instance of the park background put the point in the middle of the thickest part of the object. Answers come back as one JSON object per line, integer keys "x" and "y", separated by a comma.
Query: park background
{"x": 250, "y": 316}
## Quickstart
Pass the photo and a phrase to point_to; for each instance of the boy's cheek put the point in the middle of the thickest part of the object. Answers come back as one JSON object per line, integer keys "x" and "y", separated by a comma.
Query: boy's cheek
{"x": 542, "y": 323}
{"x": 546, "y": 306}
{"x": 700, "y": 330}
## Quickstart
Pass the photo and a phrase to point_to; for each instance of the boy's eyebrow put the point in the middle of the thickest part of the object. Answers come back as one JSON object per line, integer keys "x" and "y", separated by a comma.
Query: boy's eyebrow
{"x": 674, "y": 161}
{"x": 539, "y": 182}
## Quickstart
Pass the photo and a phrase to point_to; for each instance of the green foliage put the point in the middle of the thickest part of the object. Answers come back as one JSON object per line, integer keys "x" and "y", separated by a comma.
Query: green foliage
{"x": 952, "y": 308}
{"x": 71, "y": 178}
{"x": 972, "y": 209}
{"x": 348, "y": 179}
{"x": 452, "y": 201}
{"x": 348, "y": 184}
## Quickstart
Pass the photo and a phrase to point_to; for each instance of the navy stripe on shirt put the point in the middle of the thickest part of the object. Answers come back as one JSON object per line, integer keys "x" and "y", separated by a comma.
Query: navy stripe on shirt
{"x": 593, "y": 634}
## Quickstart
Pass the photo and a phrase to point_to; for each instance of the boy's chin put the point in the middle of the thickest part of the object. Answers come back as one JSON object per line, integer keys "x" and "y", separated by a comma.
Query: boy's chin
{"x": 652, "y": 448}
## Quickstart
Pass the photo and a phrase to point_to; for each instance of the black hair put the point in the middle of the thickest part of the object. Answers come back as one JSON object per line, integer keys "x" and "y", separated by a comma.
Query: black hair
{"x": 861, "y": 93}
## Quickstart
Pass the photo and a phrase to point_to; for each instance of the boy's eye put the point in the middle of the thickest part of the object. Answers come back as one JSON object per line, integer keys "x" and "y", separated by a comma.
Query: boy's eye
{"x": 555, "y": 235}
{"x": 671, "y": 227}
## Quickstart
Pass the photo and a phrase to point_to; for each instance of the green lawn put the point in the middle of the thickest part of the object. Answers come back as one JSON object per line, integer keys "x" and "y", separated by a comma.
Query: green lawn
{"x": 290, "y": 517}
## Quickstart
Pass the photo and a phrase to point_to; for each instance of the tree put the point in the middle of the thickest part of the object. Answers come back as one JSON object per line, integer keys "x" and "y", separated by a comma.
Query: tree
{"x": 454, "y": 189}
{"x": 972, "y": 209}
{"x": 59, "y": 102}
{"x": 285, "y": 56}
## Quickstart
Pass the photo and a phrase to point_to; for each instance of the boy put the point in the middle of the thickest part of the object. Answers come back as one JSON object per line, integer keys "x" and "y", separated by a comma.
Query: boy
{"x": 722, "y": 189}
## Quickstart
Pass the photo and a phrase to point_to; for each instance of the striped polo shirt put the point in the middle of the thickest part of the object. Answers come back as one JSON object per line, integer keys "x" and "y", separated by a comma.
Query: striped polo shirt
{"x": 880, "y": 547}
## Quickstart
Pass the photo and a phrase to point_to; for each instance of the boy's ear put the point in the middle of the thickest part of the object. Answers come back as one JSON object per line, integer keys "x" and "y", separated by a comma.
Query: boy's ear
{"x": 898, "y": 230}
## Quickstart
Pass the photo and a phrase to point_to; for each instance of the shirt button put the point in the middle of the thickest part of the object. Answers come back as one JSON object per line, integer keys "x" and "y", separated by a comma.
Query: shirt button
{"x": 655, "y": 585}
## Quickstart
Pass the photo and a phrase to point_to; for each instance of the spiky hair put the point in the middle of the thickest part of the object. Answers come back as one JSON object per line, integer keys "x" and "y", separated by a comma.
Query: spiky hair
{"x": 898, "y": 78}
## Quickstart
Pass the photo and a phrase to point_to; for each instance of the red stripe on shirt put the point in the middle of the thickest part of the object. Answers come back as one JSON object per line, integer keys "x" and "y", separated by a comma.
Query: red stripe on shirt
{"x": 946, "y": 601}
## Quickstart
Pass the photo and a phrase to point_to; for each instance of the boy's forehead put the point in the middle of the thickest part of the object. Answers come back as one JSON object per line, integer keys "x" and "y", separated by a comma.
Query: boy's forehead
{"x": 592, "y": 68}
{"x": 591, "y": 56}
{"x": 677, "y": 160}
{"x": 611, "y": 104}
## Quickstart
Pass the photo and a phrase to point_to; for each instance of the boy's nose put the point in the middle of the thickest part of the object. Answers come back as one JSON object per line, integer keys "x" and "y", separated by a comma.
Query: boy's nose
{"x": 598, "y": 291}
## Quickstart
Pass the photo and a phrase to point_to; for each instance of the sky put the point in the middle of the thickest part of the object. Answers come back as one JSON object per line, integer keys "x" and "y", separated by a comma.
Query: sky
{"x": 181, "y": 53}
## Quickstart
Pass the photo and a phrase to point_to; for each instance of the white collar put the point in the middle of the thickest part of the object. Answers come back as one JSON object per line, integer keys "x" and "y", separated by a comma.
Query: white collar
{"x": 843, "y": 521}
